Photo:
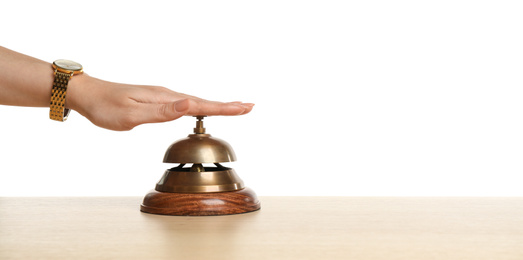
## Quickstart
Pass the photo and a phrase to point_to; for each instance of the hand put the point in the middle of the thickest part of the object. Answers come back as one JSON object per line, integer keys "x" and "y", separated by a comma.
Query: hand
{"x": 122, "y": 107}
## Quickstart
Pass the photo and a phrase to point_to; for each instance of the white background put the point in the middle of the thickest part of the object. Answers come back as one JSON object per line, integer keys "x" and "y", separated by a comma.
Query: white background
{"x": 359, "y": 98}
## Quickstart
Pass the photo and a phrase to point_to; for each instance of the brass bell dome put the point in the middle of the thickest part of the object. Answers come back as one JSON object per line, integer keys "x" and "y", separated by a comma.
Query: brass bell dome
{"x": 199, "y": 148}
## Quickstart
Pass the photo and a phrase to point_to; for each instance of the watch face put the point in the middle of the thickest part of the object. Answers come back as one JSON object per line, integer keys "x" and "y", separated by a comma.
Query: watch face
{"x": 68, "y": 65}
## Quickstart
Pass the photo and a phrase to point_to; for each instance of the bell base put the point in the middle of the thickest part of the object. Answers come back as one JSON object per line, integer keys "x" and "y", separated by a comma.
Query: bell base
{"x": 200, "y": 204}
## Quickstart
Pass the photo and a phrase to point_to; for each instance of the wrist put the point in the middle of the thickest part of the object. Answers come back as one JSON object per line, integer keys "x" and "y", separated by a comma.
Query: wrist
{"x": 75, "y": 91}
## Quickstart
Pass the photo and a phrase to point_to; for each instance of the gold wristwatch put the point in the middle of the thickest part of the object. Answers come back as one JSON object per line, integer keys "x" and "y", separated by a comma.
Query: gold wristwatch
{"x": 63, "y": 72}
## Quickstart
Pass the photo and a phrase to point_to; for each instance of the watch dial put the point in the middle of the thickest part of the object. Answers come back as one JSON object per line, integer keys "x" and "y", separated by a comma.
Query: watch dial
{"x": 68, "y": 65}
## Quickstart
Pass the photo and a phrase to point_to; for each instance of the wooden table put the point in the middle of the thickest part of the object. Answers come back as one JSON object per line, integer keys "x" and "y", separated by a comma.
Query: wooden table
{"x": 285, "y": 228}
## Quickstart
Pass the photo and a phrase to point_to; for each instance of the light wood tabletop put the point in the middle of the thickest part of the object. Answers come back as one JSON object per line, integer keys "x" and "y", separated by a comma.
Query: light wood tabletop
{"x": 285, "y": 228}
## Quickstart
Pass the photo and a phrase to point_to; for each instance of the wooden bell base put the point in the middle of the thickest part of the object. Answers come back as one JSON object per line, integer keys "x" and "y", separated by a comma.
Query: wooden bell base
{"x": 200, "y": 204}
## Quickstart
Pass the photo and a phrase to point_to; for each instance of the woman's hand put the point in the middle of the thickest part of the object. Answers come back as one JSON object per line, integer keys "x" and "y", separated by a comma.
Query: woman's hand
{"x": 122, "y": 107}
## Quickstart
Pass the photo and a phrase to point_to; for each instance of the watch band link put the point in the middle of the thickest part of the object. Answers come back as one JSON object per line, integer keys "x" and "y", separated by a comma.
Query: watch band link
{"x": 57, "y": 110}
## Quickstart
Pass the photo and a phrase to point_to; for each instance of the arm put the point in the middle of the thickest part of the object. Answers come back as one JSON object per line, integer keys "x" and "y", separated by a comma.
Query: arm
{"x": 26, "y": 81}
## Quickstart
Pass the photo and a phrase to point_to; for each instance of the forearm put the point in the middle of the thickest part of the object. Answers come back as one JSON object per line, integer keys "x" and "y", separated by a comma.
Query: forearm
{"x": 24, "y": 80}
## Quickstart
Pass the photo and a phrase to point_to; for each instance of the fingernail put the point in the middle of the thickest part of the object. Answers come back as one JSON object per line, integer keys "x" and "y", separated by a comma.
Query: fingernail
{"x": 182, "y": 105}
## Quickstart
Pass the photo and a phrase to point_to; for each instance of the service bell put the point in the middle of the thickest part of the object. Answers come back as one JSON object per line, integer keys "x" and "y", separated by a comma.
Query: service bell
{"x": 192, "y": 189}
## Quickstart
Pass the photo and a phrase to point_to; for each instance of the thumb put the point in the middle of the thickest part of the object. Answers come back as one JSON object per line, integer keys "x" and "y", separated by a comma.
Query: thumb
{"x": 172, "y": 111}
{"x": 156, "y": 113}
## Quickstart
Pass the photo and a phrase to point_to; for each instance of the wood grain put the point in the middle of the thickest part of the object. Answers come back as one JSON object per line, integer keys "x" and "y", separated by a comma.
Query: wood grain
{"x": 200, "y": 204}
{"x": 290, "y": 228}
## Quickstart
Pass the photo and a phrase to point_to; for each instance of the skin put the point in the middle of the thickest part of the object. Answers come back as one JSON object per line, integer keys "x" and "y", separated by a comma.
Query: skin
{"x": 27, "y": 81}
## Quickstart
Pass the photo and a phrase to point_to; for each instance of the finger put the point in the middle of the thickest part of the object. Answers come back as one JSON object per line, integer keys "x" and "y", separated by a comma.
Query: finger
{"x": 248, "y": 107}
{"x": 156, "y": 113}
{"x": 212, "y": 108}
